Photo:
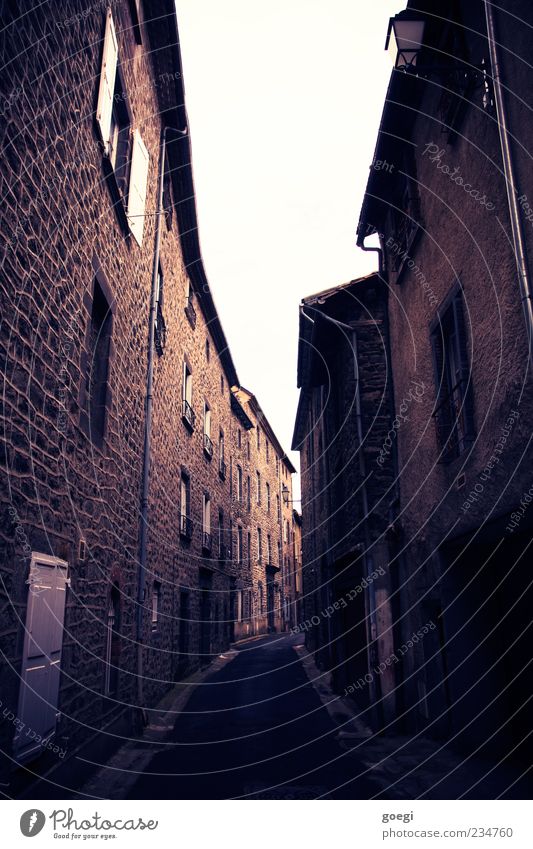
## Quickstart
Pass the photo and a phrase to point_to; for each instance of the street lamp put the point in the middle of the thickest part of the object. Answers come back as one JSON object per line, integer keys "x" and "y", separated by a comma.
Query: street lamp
{"x": 404, "y": 39}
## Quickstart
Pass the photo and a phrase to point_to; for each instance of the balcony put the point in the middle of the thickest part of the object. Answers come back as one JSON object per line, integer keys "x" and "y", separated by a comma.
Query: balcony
{"x": 222, "y": 469}
{"x": 185, "y": 527}
{"x": 190, "y": 312}
{"x": 207, "y": 541}
{"x": 208, "y": 446}
{"x": 188, "y": 415}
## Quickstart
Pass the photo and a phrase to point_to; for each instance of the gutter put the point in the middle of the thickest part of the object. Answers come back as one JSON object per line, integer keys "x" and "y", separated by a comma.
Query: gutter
{"x": 515, "y": 215}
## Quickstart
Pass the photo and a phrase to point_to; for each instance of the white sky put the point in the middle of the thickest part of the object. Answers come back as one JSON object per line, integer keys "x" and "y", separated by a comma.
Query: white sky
{"x": 284, "y": 101}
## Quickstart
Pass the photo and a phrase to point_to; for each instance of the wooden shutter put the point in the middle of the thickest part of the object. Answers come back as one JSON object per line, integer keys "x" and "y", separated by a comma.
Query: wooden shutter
{"x": 107, "y": 82}
{"x": 137, "y": 187}
{"x": 39, "y": 686}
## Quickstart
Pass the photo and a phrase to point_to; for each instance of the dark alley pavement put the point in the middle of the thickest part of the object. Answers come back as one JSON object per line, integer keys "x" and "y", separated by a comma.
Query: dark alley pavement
{"x": 257, "y": 728}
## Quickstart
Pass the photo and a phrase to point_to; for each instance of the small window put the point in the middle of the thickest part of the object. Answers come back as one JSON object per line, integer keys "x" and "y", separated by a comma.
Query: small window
{"x": 248, "y": 448}
{"x": 206, "y": 521}
{"x": 249, "y": 537}
{"x": 185, "y": 507}
{"x": 222, "y": 386}
{"x": 454, "y": 413}
{"x": 268, "y": 497}
{"x": 267, "y": 449}
{"x": 280, "y": 561}
{"x": 278, "y": 509}
{"x": 239, "y": 437}
{"x": 188, "y": 413}
{"x": 208, "y": 445}
{"x": 248, "y": 493}
{"x": 258, "y": 435}
{"x": 258, "y": 487}
{"x": 207, "y": 350}
{"x": 98, "y": 363}
{"x": 156, "y": 597}
{"x": 269, "y": 549}
{"x": 160, "y": 335}
{"x": 239, "y": 544}
{"x": 239, "y": 484}
{"x": 190, "y": 312}
{"x": 259, "y": 545}
{"x": 221, "y": 548}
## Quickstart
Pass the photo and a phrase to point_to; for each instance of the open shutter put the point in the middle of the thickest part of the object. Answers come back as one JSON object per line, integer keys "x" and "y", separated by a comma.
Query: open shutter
{"x": 39, "y": 686}
{"x": 137, "y": 188}
{"x": 107, "y": 82}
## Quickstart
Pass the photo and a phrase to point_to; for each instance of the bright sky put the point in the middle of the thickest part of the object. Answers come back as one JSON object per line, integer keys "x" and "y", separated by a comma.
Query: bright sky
{"x": 284, "y": 101}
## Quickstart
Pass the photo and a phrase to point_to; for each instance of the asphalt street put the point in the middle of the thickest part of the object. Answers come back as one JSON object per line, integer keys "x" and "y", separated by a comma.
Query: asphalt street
{"x": 255, "y": 729}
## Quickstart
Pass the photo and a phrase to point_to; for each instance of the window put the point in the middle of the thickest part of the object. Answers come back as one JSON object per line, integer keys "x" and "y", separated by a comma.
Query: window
{"x": 188, "y": 413}
{"x": 98, "y": 363}
{"x": 206, "y": 522}
{"x": 222, "y": 385}
{"x": 259, "y": 546}
{"x": 278, "y": 509}
{"x": 113, "y": 121}
{"x": 261, "y": 602}
{"x": 258, "y": 487}
{"x": 248, "y": 493}
{"x": 248, "y": 448}
{"x": 207, "y": 350}
{"x": 238, "y": 437}
{"x": 269, "y": 549}
{"x": 268, "y": 497}
{"x": 267, "y": 447}
{"x": 239, "y": 544}
{"x": 185, "y": 507}
{"x": 208, "y": 445}
{"x": 258, "y": 433}
{"x": 249, "y": 537}
{"x": 285, "y": 531}
{"x": 160, "y": 336}
{"x": 156, "y": 596}
{"x": 277, "y": 465}
{"x": 230, "y": 539}
{"x": 221, "y": 462}
{"x": 453, "y": 414}
{"x": 239, "y": 484}
{"x": 404, "y": 214}
{"x": 190, "y": 312}
{"x": 221, "y": 547}
{"x": 280, "y": 561}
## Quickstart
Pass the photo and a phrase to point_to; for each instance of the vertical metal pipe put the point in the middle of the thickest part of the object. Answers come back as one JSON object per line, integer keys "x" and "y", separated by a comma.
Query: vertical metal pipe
{"x": 510, "y": 180}
{"x": 143, "y": 536}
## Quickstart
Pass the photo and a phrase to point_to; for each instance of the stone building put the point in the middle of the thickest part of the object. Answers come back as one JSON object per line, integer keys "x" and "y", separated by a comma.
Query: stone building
{"x": 342, "y": 427}
{"x": 449, "y": 195}
{"x": 126, "y": 562}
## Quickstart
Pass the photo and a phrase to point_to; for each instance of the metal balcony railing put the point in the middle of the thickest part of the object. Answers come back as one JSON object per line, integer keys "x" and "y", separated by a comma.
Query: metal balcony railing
{"x": 185, "y": 527}
{"x": 208, "y": 445}
{"x": 188, "y": 414}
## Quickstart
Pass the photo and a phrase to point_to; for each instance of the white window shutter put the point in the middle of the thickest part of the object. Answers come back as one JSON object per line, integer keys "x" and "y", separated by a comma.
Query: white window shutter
{"x": 137, "y": 187}
{"x": 107, "y": 82}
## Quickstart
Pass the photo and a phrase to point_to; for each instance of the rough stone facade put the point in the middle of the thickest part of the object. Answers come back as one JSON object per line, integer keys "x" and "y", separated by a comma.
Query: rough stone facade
{"x": 76, "y": 289}
{"x": 457, "y": 556}
{"x": 343, "y": 420}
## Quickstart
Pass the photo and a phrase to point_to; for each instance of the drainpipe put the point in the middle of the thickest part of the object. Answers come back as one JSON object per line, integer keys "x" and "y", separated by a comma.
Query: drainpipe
{"x": 145, "y": 482}
{"x": 515, "y": 215}
{"x": 379, "y": 251}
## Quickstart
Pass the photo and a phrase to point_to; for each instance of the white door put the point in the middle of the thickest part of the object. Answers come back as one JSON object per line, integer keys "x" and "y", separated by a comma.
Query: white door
{"x": 43, "y": 640}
